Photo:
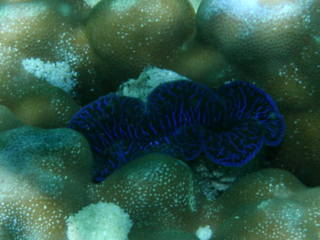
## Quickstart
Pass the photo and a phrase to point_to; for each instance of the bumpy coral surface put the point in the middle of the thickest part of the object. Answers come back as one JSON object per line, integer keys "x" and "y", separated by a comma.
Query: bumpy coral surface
{"x": 133, "y": 34}
{"x": 293, "y": 84}
{"x": 270, "y": 204}
{"x": 300, "y": 150}
{"x": 199, "y": 62}
{"x": 156, "y": 190}
{"x": 59, "y": 55}
{"x": 40, "y": 181}
{"x": 229, "y": 125}
{"x": 101, "y": 221}
{"x": 257, "y": 30}
{"x": 24, "y": 30}
{"x": 35, "y": 65}
{"x": 56, "y": 56}
{"x": 45, "y": 177}
{"x": 7, "y": 119}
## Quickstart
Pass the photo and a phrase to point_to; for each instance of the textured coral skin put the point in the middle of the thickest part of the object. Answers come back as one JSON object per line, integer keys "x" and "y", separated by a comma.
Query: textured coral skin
{"x": 159, "y": 193}
{"x": 166, "y": 188}
{"x": 257, "y": 31}
{"x": 45, "y": 174}
{"x": 25, "y": 35}
{"x": 268, "y": 204}
{"x": 131, "y": 35}
{"x": 43, "y": 177}
{"x": 229, "y": 125}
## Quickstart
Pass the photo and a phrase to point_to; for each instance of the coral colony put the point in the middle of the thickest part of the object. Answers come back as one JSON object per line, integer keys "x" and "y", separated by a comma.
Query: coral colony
{"x": 183, "y": 118}
{"x": 144, "y": 98}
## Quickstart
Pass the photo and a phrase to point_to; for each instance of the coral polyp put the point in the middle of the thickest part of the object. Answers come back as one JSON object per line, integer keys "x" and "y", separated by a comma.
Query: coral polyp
{"x": 229, "y": 125}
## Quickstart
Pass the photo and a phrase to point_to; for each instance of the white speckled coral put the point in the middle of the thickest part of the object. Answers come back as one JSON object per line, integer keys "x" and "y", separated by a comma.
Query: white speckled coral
{"x": 43, "y": 175}
{"x": 58, "y": 74}
{"x": 54, "y": 50}
{"x": 24, "y": 34}
{"x": 59, "y": 55}
{"x": 100, "y": 221}
{"x": 270, "y": 204}
{"x": 257, "y": 30}
{"x": 132, "y": 34}
{"x": 35, "y": 102}
{"x": 273, "y": 45}
{"x": 156, "y": 190}
{"x": 300, "y": 151}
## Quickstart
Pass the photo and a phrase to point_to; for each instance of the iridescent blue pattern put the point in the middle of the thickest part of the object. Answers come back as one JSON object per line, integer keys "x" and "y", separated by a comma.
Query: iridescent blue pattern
{"x": 229, "y": 125}
{"x": 247, "y": 102}
{"x": 182, "y": 113}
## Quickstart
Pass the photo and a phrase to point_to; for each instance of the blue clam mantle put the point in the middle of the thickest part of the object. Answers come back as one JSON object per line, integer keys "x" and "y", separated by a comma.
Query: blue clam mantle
{"x": 229, "y": 125}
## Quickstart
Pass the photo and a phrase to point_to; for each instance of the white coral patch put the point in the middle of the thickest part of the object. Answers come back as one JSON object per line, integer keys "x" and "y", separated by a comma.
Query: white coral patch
{"x": 252, "y": 11}
{"x": 122, "y": 5}
{"x": 92, "y": 3}
{"x": 101, "y": 221}
{"x": 204, "y": 233}
{"x": 58, "y": 74}
{"x": 150, "y": 78}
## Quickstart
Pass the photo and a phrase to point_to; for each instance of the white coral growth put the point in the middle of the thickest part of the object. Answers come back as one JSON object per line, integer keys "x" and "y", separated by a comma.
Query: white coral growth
{"x": 58, "y": 74}
{"x": 100, "y": 221}
{"x": 204, "y": 233}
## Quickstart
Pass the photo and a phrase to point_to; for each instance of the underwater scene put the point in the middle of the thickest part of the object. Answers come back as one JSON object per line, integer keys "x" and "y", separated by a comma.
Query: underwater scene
{"x": 159, "y": 119}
